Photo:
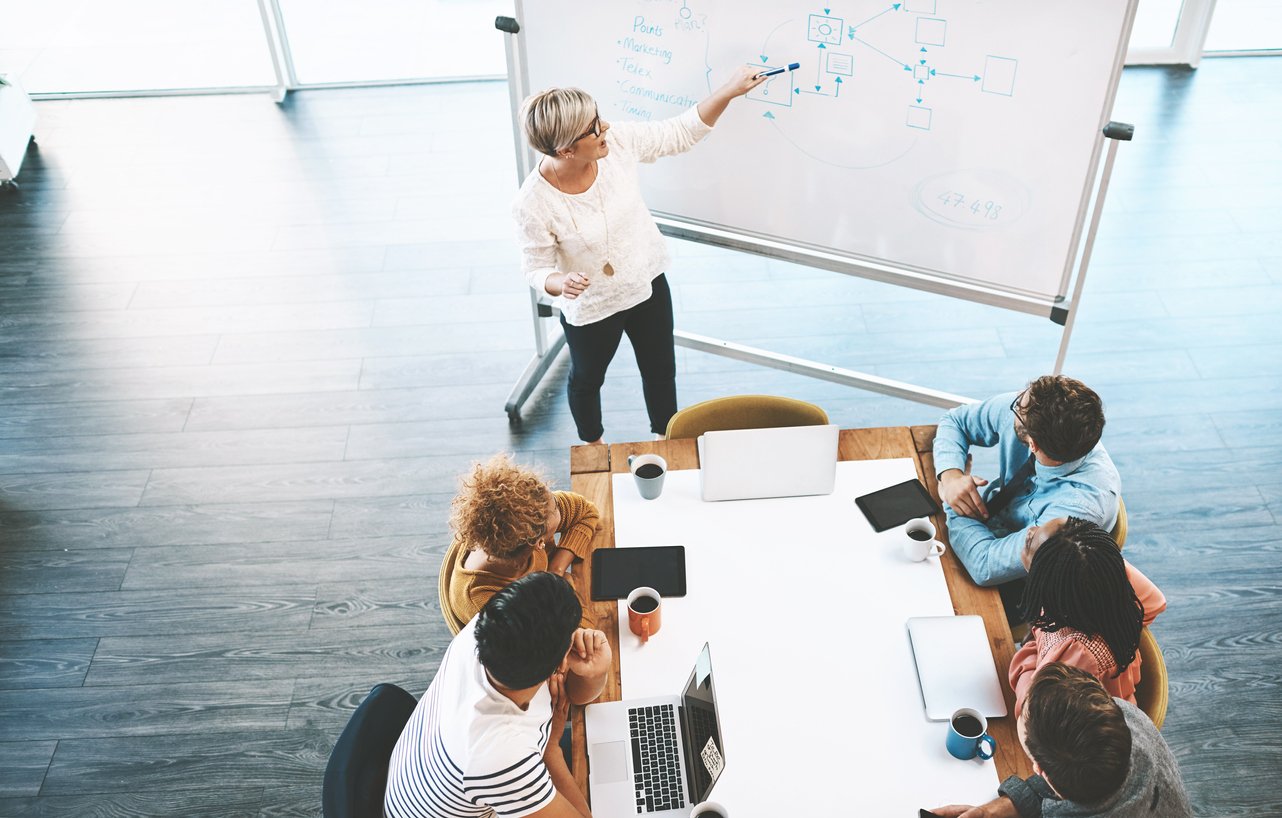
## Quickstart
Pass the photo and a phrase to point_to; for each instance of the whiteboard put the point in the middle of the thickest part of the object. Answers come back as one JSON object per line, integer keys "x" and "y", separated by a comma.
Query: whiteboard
{"x": 956, "y": 140}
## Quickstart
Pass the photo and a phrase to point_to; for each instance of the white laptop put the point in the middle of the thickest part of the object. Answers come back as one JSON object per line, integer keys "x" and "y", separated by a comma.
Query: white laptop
{"x": 788, "y": 461}
{"x": 955, "y": 666}
{"x": 657, "y": 756}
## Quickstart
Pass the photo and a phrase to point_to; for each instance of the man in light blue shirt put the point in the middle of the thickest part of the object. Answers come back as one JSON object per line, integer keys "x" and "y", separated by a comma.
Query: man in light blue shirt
{"x": 1051, "y": 465}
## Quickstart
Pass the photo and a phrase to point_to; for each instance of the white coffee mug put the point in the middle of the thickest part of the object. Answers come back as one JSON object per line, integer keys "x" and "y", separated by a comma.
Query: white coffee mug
{"x": 919, "y": 540}
{"x": 709, "y": 809}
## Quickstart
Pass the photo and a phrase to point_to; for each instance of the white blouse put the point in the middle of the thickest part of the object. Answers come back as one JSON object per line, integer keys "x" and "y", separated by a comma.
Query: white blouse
{"x": 566, "y": 232}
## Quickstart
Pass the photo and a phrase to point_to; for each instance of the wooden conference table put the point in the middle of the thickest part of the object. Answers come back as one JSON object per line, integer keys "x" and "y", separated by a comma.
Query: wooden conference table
{"x": 591, "y": 470}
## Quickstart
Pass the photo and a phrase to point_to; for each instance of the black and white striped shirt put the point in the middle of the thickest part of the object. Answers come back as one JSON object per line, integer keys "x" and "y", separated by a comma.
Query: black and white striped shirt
{"x": 468, "y": 751}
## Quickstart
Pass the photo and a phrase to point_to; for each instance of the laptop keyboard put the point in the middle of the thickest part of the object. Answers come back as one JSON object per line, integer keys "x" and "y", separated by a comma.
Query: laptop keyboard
{"x": 656, "y": 761}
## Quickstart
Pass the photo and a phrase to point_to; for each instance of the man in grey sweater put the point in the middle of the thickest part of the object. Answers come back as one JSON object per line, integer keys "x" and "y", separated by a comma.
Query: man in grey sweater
{"x": 1094, "y": 756}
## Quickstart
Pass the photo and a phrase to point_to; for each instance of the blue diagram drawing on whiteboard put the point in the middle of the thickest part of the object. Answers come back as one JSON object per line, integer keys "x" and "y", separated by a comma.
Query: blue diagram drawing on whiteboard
{"x": 926, "y": 34}
{"x": 919, "y": 117}
{"x": 999, "y": 75}
{"x": 776, "y": 90}
{"x": 840, "y": 64}
{"x": 825, "y": 30}
{"x": 931, "y": 31}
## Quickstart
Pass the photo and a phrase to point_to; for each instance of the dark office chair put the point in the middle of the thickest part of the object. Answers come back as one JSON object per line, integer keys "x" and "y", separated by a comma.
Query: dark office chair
{"x": 356, "y": 775}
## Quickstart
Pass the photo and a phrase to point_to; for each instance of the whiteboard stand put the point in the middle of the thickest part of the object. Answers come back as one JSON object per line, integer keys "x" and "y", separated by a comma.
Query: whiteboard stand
{"x": 1116, "y": 132}
{"x": 549, "y": 342}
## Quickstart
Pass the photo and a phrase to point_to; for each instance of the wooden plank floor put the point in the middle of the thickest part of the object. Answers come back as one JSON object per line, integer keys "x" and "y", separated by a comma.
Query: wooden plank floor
{"x": 245, "y": 349}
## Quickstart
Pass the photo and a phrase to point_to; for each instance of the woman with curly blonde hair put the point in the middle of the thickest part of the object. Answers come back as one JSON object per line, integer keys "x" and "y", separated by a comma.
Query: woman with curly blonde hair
{"x": 508, "y": 523}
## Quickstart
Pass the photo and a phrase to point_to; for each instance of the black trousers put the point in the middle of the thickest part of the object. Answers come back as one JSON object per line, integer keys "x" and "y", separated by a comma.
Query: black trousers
{"x": 649, "y": 327}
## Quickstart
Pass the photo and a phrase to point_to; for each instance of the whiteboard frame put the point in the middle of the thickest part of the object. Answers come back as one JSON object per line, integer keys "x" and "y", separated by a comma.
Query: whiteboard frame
{"x": 1060, "y": 309}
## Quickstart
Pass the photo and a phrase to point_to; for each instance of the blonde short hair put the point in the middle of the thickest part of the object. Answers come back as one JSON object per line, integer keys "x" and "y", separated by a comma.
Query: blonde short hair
{"x": 555, "y": 118}
{"x": 501, "y": 509}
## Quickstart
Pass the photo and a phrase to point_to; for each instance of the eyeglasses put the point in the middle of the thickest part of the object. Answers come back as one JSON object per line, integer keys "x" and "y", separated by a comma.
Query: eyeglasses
{"x": 595, "y": 130}
{"x": 1014, "y": 405}
{"x": 1015, "y": 408}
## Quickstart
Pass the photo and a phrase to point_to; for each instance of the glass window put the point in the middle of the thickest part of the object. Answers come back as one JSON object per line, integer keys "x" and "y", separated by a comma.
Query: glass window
{"x": 69, "y": 46}
{"x": 342, "y": 41}
{"x": 1155, "y": 22}
{"x": 1245, "y": 25}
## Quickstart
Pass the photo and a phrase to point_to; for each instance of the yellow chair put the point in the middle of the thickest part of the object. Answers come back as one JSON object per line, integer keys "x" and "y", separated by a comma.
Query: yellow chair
{"x": 1120, "y": 527}
{"x": 443, "y": 589}
{"x": 1152, "y": 693}
{"x": 743, "y": 412}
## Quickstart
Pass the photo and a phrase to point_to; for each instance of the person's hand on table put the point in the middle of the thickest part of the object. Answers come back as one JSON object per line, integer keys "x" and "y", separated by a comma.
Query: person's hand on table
{"x": 590, "y": 654}
{"x": 999, "y": 808}
{"x": 960, "y": 490}
{"x": 567, "y": 285}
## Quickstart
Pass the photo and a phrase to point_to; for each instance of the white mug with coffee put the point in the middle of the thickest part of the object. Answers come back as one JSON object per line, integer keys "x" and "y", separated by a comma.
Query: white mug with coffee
{"x": 919, "y": 540}
{"x": 709, "y": 809}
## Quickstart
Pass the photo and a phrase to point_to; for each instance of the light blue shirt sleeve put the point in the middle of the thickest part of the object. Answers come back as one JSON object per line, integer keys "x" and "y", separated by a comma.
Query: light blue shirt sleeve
{"x": 973, "y": 424}
{"x": 989, "y": 559}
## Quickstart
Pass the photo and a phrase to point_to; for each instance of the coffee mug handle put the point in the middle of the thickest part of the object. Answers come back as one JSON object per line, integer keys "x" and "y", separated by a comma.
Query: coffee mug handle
{"x": 937, "y": 549}
{"x": 979, "y": 746}
{"x": 630, "y": 457}
{"x": 645, "y": 629}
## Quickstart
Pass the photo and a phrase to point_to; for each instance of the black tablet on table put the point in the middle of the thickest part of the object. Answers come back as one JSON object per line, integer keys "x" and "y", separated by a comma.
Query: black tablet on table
{"x": 616, "y": 572}
{"x": 897, "y": 504}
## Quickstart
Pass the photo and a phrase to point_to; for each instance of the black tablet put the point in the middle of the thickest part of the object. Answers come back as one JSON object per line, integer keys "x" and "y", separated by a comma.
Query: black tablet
{"x": 616, "y": 572}
{"x": 897, "y": 504}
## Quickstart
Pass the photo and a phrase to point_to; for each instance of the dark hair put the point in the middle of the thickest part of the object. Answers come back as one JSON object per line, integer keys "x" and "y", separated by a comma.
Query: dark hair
{"x": 1076, "y": 733}
{"x": 1064, "y": 416}
{"x": 1078, "y": 580}
{"x": 524, "y": 631}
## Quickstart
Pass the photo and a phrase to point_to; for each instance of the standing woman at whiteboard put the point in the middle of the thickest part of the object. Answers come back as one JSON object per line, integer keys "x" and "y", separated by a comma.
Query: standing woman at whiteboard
{"x": 587, "y": 237}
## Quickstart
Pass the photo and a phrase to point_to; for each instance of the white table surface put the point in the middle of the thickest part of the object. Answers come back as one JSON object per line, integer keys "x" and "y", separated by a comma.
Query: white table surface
{"x": 804, "y": 607}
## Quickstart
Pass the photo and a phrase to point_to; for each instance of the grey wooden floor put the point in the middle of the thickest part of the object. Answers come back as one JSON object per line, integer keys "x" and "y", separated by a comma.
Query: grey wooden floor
{"x": 245, "y": 349}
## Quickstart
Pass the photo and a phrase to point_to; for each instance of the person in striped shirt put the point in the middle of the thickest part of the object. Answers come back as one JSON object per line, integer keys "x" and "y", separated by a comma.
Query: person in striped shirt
{"x": 483, "y": 740}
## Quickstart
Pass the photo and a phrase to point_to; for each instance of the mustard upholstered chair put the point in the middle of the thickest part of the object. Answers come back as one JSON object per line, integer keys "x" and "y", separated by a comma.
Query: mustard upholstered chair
{"x": 1120, "y": 527}
{"x": 443, "y": 591}
{"x": 743, "y": 412}
{"x": 1151, "y": 694}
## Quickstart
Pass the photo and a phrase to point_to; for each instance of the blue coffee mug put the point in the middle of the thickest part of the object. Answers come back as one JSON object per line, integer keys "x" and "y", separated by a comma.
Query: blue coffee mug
{"x": 964, "y": 746}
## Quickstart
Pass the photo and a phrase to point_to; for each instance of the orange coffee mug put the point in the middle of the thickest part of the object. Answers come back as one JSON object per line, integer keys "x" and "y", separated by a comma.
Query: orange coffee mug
{"x": 645, "y": 607}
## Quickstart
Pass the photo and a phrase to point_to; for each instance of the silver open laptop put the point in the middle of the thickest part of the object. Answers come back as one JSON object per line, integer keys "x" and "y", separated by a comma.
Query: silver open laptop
{"x": 788, "y": 461}
{"x": 658, "y": 756}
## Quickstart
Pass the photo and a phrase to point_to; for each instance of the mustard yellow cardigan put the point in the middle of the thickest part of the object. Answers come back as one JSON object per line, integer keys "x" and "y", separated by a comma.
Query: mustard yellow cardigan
{"x": 464, "y": 591}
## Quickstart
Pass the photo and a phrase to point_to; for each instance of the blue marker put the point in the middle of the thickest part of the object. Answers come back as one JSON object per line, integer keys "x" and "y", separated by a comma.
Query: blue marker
{"x": 791, "y": 67}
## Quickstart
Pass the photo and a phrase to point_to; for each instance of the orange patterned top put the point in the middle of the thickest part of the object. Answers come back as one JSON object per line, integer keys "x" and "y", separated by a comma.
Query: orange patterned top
{"x": 1086, "y": 651}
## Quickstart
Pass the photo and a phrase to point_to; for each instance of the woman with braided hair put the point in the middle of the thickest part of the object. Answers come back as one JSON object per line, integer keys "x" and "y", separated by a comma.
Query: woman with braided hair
{"x": 1086, "y": 607}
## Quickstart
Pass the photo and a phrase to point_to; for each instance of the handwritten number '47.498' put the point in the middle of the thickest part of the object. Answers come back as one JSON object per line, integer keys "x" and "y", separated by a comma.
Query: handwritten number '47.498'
{"x": 987, "y": 210}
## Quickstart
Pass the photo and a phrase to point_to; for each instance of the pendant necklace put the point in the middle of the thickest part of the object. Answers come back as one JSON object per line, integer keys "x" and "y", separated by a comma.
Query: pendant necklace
{"x": 608, "y": 269}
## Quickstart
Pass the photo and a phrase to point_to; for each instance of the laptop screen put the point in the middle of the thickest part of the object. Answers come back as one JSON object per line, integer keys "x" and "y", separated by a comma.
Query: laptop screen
{"x": 705, "y": 753}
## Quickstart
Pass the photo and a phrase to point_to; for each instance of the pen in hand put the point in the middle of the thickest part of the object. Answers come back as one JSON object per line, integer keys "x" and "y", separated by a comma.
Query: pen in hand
{"x": 791, "y": 67}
